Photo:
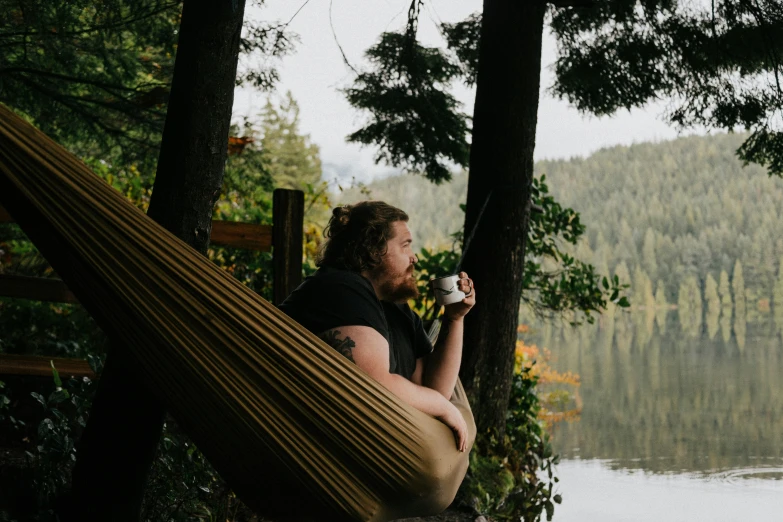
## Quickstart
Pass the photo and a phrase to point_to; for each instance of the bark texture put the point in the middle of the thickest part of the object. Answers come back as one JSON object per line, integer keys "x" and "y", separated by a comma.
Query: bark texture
{"x": 119, "y": 444}
{"x": 501, "y": 169}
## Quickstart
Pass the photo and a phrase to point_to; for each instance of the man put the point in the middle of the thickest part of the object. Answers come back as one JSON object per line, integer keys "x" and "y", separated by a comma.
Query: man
{"x": 357, "y": 303}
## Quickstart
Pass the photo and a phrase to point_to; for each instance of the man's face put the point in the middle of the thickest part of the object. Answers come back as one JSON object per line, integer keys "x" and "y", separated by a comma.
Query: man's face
{"x": 394, "y": 277}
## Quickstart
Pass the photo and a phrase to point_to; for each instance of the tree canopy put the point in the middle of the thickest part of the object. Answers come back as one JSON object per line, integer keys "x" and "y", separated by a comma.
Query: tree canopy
{"x": 96, "y": 77}
{"x": 718, "y": 63}
{"x": 292, "y": 160}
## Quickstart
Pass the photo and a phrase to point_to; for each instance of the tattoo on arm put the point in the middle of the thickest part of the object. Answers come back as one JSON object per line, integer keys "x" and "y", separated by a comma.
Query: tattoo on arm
{"x": 344, "y": 346}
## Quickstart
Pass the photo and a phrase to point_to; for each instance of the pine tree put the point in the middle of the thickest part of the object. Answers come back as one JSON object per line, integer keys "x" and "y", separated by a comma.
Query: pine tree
{"x": 642, "y": 293}
{"x": 725, "y": 293}
{"x": 738, "y": 288}
{"x": 711, "y": 296}
{"x": 661, "y": 306}
{"x": 649, "y": 260}
{"x": 689, "y": 305}
{"x": 684, "y": 306}
{"x": 725, "y": 328}
{"x": 600, "y": 256}
{"x": 777, "y": 297}
{"x": 740, "y": 312}
{"x": 621, "y": 271}
{"x": 660, "y": 296}
{"x": 620, "y": 319}
{"x": 291, "y": 158}
{"x": 713, "y": 305}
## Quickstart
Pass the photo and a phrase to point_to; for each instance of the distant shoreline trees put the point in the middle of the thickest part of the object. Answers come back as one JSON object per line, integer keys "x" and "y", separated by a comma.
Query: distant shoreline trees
{"x": 668, "y": 211}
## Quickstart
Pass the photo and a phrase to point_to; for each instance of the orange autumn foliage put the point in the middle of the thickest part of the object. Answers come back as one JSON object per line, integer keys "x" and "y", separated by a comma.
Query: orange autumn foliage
{"x": 561, "y": 401}
{"x": 237, "y": 144}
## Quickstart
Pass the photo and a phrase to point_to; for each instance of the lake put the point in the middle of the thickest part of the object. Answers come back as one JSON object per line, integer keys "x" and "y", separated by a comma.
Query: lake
{"x": 677, "y": 422}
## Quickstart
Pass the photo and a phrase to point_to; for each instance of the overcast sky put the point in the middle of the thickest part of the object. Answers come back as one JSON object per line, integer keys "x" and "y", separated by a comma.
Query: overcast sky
{"x": 316, "y": 71}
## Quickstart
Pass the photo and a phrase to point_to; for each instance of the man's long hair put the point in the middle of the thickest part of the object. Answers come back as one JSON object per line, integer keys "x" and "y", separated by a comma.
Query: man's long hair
{"x": 356, "y": 235}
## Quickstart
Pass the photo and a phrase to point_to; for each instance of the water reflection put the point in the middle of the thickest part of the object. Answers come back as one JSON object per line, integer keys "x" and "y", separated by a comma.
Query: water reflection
{"x": 660, "y": 396}
{"x": 594, "y": 493}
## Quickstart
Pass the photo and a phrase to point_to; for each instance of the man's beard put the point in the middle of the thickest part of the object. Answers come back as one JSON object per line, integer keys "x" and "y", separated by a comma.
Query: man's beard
{"x": 397, "y": 288}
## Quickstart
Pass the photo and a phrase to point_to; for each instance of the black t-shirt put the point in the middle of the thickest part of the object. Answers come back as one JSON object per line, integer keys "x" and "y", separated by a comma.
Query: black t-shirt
{"x": 332, "y": 298}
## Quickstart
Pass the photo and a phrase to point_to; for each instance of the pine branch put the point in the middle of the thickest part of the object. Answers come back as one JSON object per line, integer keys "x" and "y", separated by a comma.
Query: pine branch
{"x": 106, "y": 27}
{"x": 573, "y": 3}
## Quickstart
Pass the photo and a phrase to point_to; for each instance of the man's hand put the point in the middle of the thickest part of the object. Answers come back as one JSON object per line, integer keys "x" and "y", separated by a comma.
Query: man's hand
{"x": 454, "y": 420}
{"x": 440, "y": 369}
{"x": 456, "y": 311}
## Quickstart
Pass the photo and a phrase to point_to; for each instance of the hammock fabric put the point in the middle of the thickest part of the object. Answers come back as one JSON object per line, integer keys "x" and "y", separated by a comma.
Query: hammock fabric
{"x": 294, "y": 428}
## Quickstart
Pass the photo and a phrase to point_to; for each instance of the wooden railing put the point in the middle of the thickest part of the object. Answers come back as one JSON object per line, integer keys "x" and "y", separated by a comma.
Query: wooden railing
{"x": 284, "y": 238}
{"x": 40, "y": 366}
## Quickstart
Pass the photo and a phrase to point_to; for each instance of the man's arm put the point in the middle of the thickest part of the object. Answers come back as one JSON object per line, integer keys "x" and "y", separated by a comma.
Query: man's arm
{"x": 370, "y": 351}
{"x": 440, "y": 369}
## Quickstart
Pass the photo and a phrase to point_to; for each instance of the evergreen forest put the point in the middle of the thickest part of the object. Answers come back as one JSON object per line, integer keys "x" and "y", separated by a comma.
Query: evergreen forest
{"x": 684, "y": 223}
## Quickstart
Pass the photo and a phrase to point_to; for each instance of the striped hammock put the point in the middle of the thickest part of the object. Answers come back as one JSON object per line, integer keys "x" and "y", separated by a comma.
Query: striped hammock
{"x": 294, "y": 428}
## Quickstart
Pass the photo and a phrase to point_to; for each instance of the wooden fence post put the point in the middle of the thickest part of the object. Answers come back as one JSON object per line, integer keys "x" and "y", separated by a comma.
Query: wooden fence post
{"x": 287, "y": 238}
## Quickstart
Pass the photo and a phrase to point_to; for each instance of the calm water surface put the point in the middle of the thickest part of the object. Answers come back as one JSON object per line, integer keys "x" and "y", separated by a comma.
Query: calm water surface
{"x": 677, "y": 423}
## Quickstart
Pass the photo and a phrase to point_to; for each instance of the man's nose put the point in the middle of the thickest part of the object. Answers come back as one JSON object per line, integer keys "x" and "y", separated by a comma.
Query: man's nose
{"x": 414, "y": 259}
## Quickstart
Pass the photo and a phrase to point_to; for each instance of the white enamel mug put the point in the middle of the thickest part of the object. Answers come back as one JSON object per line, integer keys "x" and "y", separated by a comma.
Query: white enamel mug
{"x": 446, "y": 291}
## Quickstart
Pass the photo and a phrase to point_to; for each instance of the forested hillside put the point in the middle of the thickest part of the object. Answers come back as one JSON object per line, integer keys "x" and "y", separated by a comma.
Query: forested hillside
{"x": 434, "y": 209}
{"x": 683, "y": 219}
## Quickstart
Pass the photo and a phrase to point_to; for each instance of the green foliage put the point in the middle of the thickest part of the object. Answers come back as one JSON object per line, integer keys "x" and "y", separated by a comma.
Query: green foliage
{"x": 53, "y": 451}
{"x": 414, "y": 120}
{"x": 432, "y": 264}
{"x": 738, "y": 288}
{"x": 4, "y": 402}
{"x": 270, "y": 155}
{"x": 571, "y": 284}
{"x": 487, "y": 484}
{"x": 514, "y": 479}
{"x": 245, "y": 197}
{"x": 778, "y": 291}
{"x": 711, "y": 294}
{"x": 127, "y": 178}
{"x": 30, "y": 327}
{"x": 96, "y": 76}
{"x": 724, "y": 291}
{"x": 689, "y": 305}
{"x": 60, "y": 330}
{"x": 91, "y": 76}
{"x": 680, "y": 202}
{"x": 462, "y": 38}
{"x": 718, "y": 63}
{"x": 183, "y": 486}
{"x": 291, "y": 159}
{"x": 764, "y": 147}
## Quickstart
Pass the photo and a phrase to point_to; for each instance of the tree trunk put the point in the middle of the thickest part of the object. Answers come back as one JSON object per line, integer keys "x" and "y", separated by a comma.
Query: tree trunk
{"x": 119, "y": 444}
{"x": 501, "y": 169}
